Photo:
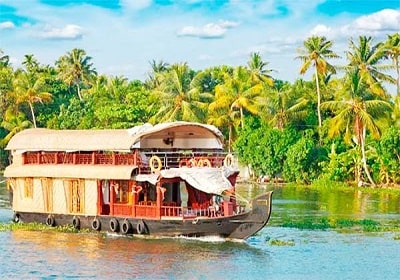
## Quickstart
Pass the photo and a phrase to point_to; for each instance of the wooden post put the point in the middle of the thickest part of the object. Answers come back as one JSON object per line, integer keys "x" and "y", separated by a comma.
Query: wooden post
{"x": 158, "y": 210}
{"x": 112, "y": 197}
{"x": 99, "y": 198}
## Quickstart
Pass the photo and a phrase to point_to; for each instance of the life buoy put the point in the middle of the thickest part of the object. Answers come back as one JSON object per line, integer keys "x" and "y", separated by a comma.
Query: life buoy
{"x": 228, "y": 160}
{"x": 114, "y": 225}
{"x": 76, "y": 222}
{"x": 50, "y": 220}
{"x": 16, "y": 218}
{"x": 192, "y": 162}
{"x": 204, "y": 162}
{"x": 140, "y": 227}
{"x": 96, "y": 225}
{"x": 155, "y": 160}
{"x": 183, "y": 163}
{"x": 126, "y": 227}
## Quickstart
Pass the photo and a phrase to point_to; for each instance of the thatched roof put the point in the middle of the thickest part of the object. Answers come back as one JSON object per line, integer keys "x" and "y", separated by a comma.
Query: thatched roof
{"x": 41, "y": 139}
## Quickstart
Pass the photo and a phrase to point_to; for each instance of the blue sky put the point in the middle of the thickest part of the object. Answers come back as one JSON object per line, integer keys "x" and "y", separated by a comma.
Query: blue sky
{"x": 123, "y": 36}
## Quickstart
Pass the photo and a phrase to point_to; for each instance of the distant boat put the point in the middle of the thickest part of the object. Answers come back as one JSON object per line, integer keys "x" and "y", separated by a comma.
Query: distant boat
{"x": 170, "y": 179}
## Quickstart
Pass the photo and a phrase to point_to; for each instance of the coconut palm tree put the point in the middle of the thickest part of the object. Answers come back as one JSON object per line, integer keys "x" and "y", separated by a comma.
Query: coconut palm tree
{"x": 258, "y": 71}
{"x": 13, "y": 123}
{"x": 282, "y": 105}
{"x": 356, "y": 113}
{"x": 75, "y": 69}
{"x": 30, "y": 89}
{"x": 157, "y": 68}
{"x": 240, "y": 92}
{"x": 392, "y": 49}
{"x": 4, "y": 59}
{"x": 316, "y": 51}
{"x": 366, "y": 58}
{"x": 179, "y": 96}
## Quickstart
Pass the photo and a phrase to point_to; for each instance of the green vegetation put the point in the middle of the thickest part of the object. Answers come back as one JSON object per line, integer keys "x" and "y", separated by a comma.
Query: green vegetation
{"x": 39, "y": 227}
{"x": 340, "y": 127}
{"x": 277, "y": 242}
{"x": 342, "y": 225}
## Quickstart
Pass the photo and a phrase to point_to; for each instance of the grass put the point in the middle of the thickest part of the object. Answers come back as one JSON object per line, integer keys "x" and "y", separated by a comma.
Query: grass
{"x": 39, "y": 227}
{"x": 365, "y": 225}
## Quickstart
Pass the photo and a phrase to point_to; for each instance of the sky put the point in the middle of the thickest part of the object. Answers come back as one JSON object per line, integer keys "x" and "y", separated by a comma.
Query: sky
{"x": 124, "y": 36}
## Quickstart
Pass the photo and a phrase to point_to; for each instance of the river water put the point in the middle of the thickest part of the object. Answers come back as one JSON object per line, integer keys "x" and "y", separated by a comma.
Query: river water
{"x": 308, "y": 254}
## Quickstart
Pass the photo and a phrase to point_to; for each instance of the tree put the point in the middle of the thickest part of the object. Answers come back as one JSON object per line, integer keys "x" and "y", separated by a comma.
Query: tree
{"x": 258, "y": 71}
{"x": 75, "y": 69}
{"x": 356, "y": 113}
{"x": 179, "y": 95}
{"x": 366, "y": 58}
{"x": 392, "y": 49}
{"x": 4, "y": 59}
{"x": 316, "y": 51}
{"x": 30, "y": 88}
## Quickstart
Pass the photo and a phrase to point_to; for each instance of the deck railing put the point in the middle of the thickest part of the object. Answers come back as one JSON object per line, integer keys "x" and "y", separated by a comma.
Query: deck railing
{"x": 169, "y": 159}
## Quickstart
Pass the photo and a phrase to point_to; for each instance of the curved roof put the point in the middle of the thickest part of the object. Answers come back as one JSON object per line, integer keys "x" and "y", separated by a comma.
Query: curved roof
{"x": 42, "y": 139}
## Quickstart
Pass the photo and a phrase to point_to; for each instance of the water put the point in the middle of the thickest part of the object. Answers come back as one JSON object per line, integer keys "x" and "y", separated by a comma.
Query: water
{"x": 315, "y": 254}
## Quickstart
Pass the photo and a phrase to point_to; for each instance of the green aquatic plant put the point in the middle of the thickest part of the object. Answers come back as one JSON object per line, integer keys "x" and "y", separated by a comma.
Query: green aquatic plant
{"x": 396, "y": 237}
{"x": 364, "y": 225}
{"x": 277, "y": 242}
{"x": 39, "y": 227}
{"x": 320, "y": 224}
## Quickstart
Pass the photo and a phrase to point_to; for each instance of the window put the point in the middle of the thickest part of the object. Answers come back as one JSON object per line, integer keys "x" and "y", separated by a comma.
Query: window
{"x": 122, "y": 191}
{"x": 28, "y": 188}
{"x": 77, "y": 192}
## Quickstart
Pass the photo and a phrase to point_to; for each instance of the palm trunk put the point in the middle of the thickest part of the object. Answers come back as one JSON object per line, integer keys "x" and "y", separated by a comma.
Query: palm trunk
{"x": 230, "y": 138}
{"x": 364, "y": 158}
{"x": 33, "y": 114}
{"x": 241, "y": 117}
{"x": 318, "y": 99}
{"x": 79, "y": 92}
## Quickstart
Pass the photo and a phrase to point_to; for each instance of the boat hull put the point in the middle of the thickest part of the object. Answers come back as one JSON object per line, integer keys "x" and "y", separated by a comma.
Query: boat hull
{"x": 239, "y": 226}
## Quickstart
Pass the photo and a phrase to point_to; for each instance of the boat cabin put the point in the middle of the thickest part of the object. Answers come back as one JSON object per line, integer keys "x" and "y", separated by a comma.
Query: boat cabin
{"x": 173, "y": 170}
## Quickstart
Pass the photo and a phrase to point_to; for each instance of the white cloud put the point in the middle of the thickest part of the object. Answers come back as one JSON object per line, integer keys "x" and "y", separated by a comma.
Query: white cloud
{"x": 6, "y": 25}
{"x": 68, "y": 32}
{"x": 382, "y": 20}
{"x": 210, "y": 30}
{"x": 321, "y": 30}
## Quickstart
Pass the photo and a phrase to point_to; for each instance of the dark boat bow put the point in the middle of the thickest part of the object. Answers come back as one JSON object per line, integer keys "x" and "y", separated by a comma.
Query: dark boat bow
{"x": 256, "y": 219}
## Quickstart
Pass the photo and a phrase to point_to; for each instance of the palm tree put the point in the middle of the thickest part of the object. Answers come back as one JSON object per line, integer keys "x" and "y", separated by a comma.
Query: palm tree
{"x": 356, "y": 113}
{"x": 30, "y": 89}
{"x": 179, "y": 96}
{"x": 75, "y": 69}
{"x": 258, "y": 71}
{"x": 316, "y": 51}
{"x": 240, "y": 92}
{"x": 282, "y": 105}
{"x": 13, "y": 123}
{"x": 392, "y": 48}
{"x": 366, "y": 58}
{"x": 4, "y": 59}
{"x": 157, "y": 68}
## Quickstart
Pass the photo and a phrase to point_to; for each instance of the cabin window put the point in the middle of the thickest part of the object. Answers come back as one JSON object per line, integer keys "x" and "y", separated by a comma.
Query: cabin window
{"x": 77, "y": 191}
{"x": 28, "y": 188}
{"x": 47, "y": 187}
{"x": 122, "y": 191}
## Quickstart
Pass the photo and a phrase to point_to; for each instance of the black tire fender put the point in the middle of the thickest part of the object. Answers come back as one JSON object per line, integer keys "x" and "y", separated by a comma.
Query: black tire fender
{"x": 76, "y": 222}
{"x": 141, "y": 227}
{"x": 96, "y": 224}
{"x": 50, "y": 221}
{"x": 126, "y": 227}
{"x": 114, "y": 225}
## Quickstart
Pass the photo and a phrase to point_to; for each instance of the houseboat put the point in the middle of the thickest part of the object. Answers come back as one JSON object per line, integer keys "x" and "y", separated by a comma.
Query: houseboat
{"x": 170, "y": 179}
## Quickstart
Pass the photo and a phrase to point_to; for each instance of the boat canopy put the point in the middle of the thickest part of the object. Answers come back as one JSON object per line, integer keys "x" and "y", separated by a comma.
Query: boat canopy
{"x": 173, "y": 135}
{"x": 206, "y": 179}
{"x": 118, "y": 172}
